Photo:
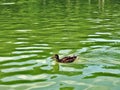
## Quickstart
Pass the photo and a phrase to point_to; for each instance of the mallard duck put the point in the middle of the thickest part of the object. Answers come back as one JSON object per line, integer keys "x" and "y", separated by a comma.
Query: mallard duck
{"x": 67, "y": 59}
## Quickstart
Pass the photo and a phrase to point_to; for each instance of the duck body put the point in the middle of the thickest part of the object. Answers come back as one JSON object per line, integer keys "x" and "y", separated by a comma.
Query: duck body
{"x": 68, "y": 59}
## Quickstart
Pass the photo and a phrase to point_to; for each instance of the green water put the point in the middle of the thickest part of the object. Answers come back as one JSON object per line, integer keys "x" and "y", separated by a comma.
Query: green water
{"x": 32, "y": 31}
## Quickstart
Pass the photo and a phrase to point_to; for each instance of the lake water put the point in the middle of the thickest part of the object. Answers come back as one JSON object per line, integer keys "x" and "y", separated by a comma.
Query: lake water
{"x": 32, "y": 31}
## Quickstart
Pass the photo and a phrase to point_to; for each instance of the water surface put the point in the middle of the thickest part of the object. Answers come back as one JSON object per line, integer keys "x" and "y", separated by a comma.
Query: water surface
{"x": 31, "y": 32}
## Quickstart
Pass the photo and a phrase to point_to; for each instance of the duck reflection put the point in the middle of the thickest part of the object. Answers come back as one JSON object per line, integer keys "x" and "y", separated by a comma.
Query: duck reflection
{"x": 56, "y": 67}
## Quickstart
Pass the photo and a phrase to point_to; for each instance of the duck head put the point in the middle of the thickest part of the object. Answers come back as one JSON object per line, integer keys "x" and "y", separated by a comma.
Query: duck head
{"x": 56, "y": 56}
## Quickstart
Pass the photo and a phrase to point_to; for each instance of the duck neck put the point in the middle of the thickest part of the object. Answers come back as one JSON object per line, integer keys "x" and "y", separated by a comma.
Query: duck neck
{"x": 57, "y": 58}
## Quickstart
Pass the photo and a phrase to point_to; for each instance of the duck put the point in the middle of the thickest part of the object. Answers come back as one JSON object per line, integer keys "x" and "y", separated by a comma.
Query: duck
{"x": 68, "y": 59}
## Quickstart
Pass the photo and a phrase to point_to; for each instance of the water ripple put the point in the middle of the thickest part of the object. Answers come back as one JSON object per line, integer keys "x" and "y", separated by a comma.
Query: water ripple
{"x": 8, "y": 3}
{"x": 3, "y": 59}
{"x": 31, "y": 51}
{"x": 24, "y": 48}
{"x": 24, "y": 77}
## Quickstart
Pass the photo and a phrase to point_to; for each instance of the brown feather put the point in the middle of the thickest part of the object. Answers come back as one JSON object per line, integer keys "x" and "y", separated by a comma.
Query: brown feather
{"x": 68, "y": 59}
